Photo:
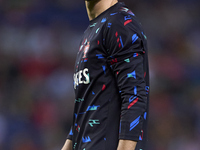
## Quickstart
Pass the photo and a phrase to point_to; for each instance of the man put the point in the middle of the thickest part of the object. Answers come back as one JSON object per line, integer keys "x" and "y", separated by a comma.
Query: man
{"x": 110, "y": 81}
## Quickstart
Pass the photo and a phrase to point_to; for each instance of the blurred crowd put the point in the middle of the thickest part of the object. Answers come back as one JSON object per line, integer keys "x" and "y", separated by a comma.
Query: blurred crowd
{"x": 39, "y": 40}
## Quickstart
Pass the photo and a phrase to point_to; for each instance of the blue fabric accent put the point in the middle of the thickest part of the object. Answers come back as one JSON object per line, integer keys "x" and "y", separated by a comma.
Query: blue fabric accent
{"x": 71, "y": 133}
{"x": 135, "y": 90}
{"x": 132, "y": 74}
{"x": 134, "y": 38}
{"x": 86, "y": 139}
{"x": 100, "y": 56}
{"x": 103, "y": 20}
{"x": 134, "y": 123}
{"x": 121, "y": 41}
{"x": 145, "y": 115}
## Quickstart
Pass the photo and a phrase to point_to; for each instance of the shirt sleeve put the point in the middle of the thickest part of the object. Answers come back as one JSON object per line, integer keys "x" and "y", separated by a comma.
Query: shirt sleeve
{"x": 124, "y": 45}
{"x": 70, "y": 134}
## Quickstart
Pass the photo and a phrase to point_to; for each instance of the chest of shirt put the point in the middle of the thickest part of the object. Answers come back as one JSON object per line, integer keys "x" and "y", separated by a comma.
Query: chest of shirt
{"x": 91, "y": 57}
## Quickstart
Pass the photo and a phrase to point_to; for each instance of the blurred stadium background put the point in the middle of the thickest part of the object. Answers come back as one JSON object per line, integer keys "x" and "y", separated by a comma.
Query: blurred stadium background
{"x": 38, "y": 45}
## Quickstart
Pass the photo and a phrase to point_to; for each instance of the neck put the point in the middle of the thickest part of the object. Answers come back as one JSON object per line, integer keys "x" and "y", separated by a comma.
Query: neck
{"x": 96, "y": 7}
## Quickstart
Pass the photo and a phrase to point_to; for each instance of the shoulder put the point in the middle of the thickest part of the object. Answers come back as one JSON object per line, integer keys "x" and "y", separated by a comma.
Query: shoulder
{"x": 123, "y": 18}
